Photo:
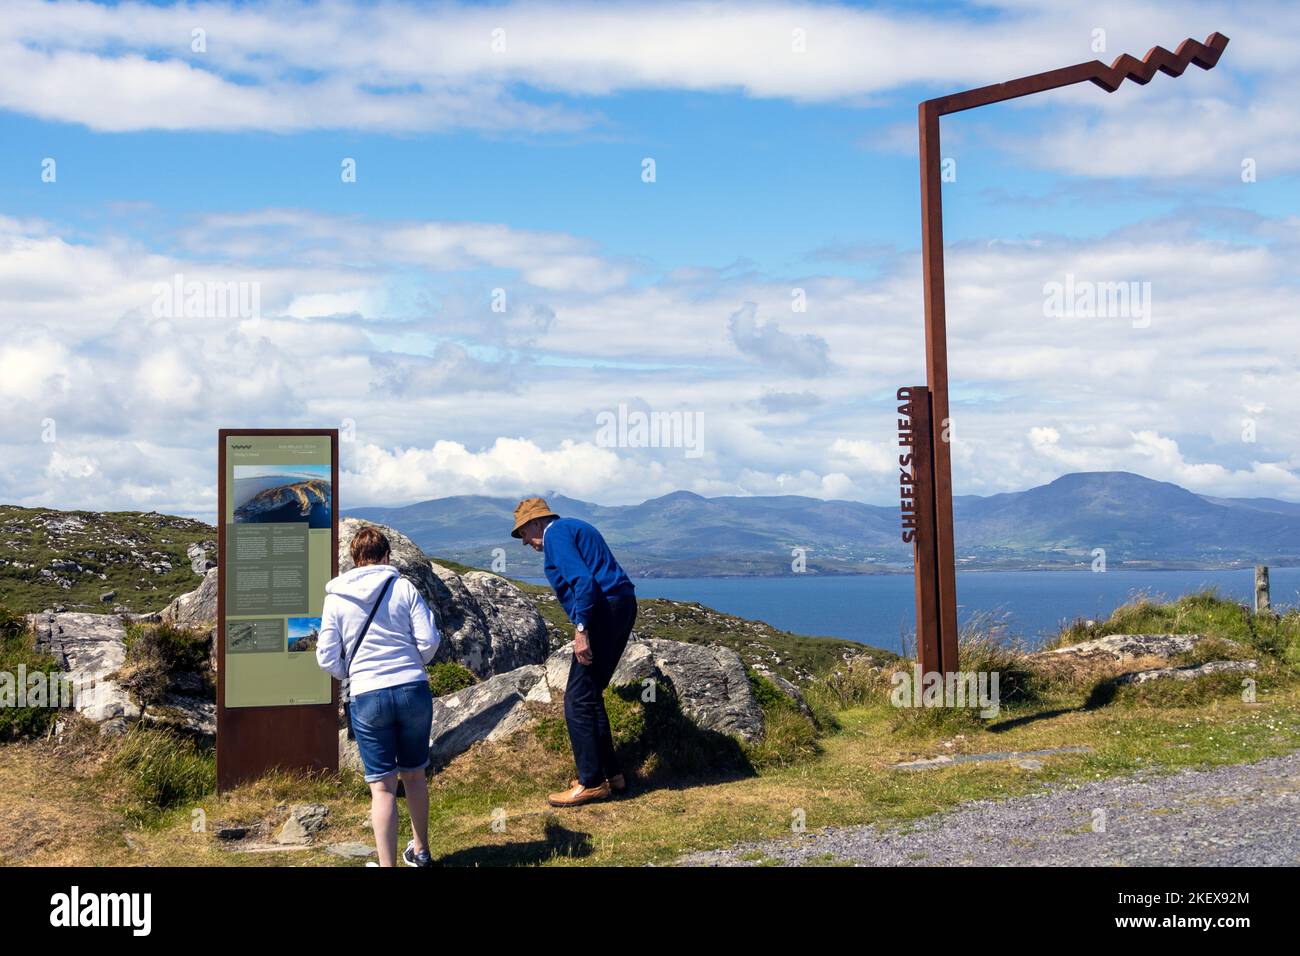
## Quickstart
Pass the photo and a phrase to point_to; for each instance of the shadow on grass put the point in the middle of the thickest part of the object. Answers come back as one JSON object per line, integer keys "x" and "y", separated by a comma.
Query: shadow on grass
{"x": 558, "y": 841}
{"x": 1101, "y": 695}
{"x": 669, "y": 749}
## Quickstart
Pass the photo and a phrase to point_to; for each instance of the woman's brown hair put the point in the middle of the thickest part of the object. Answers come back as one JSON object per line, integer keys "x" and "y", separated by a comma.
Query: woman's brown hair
{"x": 369, "y": 546}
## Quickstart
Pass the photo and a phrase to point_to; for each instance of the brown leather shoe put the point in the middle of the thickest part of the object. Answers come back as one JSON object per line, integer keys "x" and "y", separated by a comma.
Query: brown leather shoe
{"x": 617, "y": 783}
{"x": 579, "y": 795}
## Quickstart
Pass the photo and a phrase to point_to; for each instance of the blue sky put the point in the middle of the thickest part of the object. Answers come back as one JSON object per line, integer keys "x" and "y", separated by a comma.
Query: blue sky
{"x": 778, "y": 173}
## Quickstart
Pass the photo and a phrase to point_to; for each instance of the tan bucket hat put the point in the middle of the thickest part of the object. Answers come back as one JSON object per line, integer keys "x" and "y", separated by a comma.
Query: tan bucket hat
{"x": 529, "y": 509}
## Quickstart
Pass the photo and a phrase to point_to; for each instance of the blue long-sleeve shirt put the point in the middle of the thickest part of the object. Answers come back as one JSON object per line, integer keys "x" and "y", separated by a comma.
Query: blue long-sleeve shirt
{"x": 580, "y": 567}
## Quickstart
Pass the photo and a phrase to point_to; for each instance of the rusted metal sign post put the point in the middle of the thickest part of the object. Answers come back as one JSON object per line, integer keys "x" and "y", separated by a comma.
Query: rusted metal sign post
{"x": 927, "y": 406}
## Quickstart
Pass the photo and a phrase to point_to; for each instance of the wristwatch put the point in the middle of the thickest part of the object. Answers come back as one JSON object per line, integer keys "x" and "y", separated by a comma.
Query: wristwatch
{"x": 582, "y": 627}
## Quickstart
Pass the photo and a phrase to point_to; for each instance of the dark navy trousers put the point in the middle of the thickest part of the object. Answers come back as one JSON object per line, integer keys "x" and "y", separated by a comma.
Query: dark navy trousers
{"x": 584, "y": 702}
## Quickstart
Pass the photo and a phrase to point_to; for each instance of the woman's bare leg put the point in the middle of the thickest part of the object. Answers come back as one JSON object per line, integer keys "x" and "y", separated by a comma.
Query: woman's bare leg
{"x": 417, "y": 801}
{"x": 383, "y": 817}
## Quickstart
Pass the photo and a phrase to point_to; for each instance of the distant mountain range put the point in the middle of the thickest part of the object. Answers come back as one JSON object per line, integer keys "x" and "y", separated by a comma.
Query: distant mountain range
{"x": 1139, "y": 523}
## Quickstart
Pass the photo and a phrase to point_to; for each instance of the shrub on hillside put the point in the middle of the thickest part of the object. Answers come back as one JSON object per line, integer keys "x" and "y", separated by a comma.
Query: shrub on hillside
{"x": 447, "y": 677}
{"x": 18, "y": 650}
{"x": 154, "y": 654}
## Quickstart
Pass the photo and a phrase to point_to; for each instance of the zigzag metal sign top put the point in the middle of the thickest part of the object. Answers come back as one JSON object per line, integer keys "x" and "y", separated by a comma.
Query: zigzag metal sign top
{"x": 1205, "y": 55}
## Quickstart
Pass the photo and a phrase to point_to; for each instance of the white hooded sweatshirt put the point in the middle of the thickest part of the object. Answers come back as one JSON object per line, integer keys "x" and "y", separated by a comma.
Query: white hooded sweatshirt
{"x": 402, "y": 638}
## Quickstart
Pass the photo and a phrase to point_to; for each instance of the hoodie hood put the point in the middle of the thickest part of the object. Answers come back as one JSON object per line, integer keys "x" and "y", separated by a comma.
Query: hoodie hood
{"x": 362, "y": 584}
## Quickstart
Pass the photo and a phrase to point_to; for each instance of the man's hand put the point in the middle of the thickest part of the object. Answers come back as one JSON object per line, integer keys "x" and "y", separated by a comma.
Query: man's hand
{"x": 582, "y": 648}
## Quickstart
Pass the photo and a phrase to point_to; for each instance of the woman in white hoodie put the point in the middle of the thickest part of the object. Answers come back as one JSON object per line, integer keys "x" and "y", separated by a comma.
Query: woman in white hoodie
{"x": 391, "y": 704}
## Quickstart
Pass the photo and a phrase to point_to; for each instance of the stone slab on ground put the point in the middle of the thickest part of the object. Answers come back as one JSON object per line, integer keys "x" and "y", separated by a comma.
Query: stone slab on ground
{"x": 996, "y": 755}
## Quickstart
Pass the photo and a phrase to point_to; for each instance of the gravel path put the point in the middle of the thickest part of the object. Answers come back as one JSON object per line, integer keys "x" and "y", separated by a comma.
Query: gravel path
{"x": 1248, "y": 814}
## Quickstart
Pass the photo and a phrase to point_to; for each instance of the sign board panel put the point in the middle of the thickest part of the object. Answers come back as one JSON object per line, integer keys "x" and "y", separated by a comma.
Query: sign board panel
{"x": 277, "y": 549}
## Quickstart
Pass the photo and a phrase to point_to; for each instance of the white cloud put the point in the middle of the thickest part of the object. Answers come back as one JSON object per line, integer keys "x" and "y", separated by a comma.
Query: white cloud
{"x": 454, "y": 404}
{"x": 396, "y": 66}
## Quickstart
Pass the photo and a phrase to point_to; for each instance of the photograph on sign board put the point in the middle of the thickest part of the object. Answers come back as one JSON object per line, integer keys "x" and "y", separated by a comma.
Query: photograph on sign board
{"x": 283, "y": 494}
{"x": 303, "y": 634}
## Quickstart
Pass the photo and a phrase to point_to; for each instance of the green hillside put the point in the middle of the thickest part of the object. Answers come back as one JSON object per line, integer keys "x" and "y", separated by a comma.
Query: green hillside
{"x": 74, "y": 559}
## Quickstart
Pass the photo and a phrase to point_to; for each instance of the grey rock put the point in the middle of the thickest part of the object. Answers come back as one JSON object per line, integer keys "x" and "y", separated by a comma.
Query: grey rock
{"x": 465, "y": 635}
{"x": 789, "y": 690}
{"x": 196, "y": 609}
{"x": 199, "y": 560}
{"x": 349, "y": 754}
{"x": 1121, "y": 648}
{"x": 114, "y": 727}
{"x": 517, "y": 632}
{"x": 188, "y": 712}
{"x": 1190, "y": 672}
{"x": 312, "y": 816}
{"x": 491, "y": 710}
{"x": 293, "y": 832}
{"x": 107, "y": 597}
{"x": 406, "y": 555}
{"x": 711, "y": 684}
{"x": 87, "y": 648}
{"x": 305, "y": 820}
{"x": 354, "y": 851}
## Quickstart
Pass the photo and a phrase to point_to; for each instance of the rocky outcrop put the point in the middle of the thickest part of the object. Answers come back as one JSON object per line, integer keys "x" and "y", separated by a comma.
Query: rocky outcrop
{"x": 465, "y": 636}
{"x": 488, "y": 711}
{"x": 1115, "y": 654}
{"x": 1122, "y": 648}
{"x": 195, "y": 609}
{"x": 87, "y": 648}
{"x": 486, "y": 623}
{"x": 790, "y": 690}
{"x": 517, "y": 632}
{"x": 189, "y": 712}
{"x": 90, "y": 650}
{"x": 1190, "y": 672}
{"x": 405, "y": 555}
{"x": 709, "y": 682}
{"x": 200, "y": 563}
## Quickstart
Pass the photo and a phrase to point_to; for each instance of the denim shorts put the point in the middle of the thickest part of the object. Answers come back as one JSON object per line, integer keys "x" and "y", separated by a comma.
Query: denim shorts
{"x": 392, "y": 728}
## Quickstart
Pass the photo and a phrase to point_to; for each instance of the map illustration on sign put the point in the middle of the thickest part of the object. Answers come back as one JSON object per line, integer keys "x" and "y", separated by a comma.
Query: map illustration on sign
{"x": 271, "y": 494}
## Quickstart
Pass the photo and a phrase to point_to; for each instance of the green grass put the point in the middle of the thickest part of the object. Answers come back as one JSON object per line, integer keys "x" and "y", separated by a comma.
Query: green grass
{"x": 18, "y": 649}
{"x": 161, "y": 770}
